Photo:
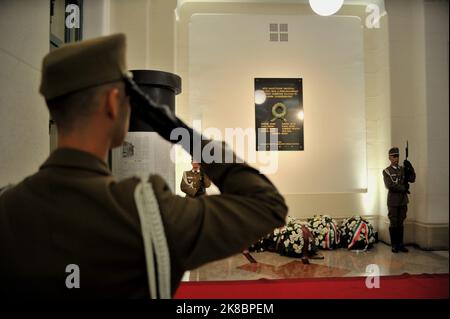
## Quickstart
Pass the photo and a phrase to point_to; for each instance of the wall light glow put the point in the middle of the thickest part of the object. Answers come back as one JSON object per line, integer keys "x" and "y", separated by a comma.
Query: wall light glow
{"x": 260, "y": 97}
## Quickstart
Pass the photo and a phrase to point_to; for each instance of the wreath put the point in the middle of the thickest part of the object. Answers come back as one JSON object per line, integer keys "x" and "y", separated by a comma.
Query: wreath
{"x": 295, "y": 239}
{"x": 325, "y": 231}
{"x": 279, "y": 111}
{"x": 357, "y": 233}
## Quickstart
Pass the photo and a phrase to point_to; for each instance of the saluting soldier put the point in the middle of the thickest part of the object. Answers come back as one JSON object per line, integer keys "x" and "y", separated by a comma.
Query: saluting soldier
{"x": 131, "y": 238}
{"x": 195, "y": 182}
{"x": 397, "y": 183}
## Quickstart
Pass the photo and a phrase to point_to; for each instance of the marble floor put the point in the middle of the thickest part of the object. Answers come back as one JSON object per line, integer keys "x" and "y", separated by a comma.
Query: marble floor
{"x": 336, "y": 263}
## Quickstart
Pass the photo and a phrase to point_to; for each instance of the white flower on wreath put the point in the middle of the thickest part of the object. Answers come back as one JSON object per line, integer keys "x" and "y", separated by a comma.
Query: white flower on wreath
{"x": 286, "y": 243}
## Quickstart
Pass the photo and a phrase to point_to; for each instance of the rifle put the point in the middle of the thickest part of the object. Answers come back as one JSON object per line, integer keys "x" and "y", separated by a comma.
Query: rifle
{"x": 407, "y": 169}
{"x": 202, "y": 189}
{"x": 406, "y": 151}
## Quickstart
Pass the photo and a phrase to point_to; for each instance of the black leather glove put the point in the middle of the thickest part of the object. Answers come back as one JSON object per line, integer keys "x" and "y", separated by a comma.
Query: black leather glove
{"x": 159, "y": 116}
{"x": 407, "y": 189}
{"x": 407, "y": 164}
{"x": 409, "y": 170}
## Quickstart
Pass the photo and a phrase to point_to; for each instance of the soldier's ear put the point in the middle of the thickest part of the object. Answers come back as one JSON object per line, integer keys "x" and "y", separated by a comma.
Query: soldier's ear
{"x": 112, "y": 103}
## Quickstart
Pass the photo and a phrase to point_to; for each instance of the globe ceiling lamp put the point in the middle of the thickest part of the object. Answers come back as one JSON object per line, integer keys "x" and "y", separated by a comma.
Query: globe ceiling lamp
{"x": 326, "y": 7}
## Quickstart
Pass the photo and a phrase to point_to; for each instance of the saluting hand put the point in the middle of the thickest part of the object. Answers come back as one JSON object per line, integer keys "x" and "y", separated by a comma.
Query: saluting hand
{"x": 158, "y": 116}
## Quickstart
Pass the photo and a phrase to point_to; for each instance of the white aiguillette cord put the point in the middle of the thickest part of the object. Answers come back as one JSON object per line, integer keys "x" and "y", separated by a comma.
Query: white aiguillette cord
{"x": 155, "y": 243}
{"x": 395, "y": 181}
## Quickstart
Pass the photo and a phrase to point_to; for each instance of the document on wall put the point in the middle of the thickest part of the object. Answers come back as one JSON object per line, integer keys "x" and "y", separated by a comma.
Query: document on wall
{"x": 279, "y": 114}
{"x": 142, "y": 154}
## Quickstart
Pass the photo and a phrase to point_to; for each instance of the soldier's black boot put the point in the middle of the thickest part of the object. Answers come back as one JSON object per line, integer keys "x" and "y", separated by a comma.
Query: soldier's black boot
{"x": 402, "y": 248}
{"x": 393, "y": 235}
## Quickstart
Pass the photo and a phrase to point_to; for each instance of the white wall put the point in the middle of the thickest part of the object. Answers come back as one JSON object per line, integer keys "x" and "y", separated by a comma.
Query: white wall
{"x": 418, "y": 39}
{"x": 437, "y": 68}
{"x": 378, "y": 114}
{"x": 132, "y": 18}
{"x": 226, "y": 53}
{"x": 419, "y": 91}
{"x": 408, "y": 108}
{"x": 149, "y": 27}
{"x": 406, "y": 97}
{"x": 24, "y": 136}
{"x": 96, "y": 18}
{"x": 377, "y": 102}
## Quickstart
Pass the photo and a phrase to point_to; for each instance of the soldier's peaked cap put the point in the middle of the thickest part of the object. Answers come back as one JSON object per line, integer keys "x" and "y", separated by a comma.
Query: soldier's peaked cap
{"x": 394, "y": 151}
{"x": 82, "y": 65}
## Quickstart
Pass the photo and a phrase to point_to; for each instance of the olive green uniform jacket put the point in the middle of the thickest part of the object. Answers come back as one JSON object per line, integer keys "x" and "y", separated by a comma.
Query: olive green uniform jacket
{"x": 73, "y": 211}
{"x": 394, "y": 180}
{"x": 194, "y": 183}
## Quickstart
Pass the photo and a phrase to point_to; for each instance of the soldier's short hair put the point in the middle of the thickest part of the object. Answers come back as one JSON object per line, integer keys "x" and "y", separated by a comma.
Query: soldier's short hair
{"x": 66, "y": 111}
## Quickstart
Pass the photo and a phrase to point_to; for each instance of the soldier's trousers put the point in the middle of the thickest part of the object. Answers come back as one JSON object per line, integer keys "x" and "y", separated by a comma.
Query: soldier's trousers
{"x": 397, "y": 215}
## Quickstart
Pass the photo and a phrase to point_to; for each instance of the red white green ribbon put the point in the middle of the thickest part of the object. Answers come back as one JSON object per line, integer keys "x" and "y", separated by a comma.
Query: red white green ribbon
{"x": 335, "y": 234}
{"x": 332, "y": 236}
{"x": 357, "y": 231}
{"x": 326, "y": 242}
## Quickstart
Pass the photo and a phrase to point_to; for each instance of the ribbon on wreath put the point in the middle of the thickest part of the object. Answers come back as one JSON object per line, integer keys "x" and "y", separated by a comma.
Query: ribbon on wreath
{"x": 332, "y": 236}
{"x": 357, "y": 231}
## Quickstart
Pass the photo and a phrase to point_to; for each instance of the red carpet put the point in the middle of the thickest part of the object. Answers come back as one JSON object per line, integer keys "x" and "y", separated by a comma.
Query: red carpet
{"x": 391, "y": 287}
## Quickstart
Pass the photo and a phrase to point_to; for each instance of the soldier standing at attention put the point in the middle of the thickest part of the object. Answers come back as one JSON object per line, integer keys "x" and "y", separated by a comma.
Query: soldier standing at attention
{"x": 397, "y": 182}
{"x": 71, "y": 230}
{"x": 195, "y": 182}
